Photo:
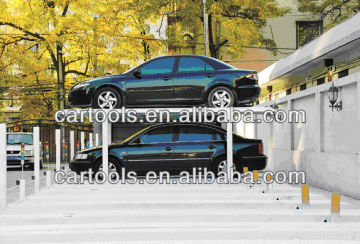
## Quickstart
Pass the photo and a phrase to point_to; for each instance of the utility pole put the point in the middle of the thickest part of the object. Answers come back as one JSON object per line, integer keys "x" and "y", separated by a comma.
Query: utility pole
{"x": 205, "y": 32}
{"x": 96, "y": 16}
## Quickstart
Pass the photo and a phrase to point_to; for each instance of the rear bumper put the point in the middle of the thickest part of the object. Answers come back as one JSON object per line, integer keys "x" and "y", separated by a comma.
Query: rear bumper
{"x": 247, "y": 94}
{"x": 258, "y": 162}
{"x": 79, "y": 166}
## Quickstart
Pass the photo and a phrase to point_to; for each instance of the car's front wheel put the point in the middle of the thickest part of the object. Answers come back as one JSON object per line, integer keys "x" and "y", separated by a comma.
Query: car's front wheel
{"x": 221, "y": 97}
{"x": 113, "y": 166}
{"x": 107, "y": 98}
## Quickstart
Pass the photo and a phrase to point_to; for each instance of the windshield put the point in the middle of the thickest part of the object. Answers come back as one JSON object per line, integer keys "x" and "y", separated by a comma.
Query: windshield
{"x": 134, "y": 135}
{"x": 19, "y": 138}
{"x": 133, "y": 69}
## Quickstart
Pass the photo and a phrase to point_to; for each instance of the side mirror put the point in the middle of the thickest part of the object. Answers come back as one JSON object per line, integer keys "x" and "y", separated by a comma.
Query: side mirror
{"x": 137, "y": 73}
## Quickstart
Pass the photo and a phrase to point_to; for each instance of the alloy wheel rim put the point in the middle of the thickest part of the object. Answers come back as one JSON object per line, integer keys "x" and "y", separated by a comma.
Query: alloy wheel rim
{"x": 107, "y": 100}
{"x": 221, "y": 99}
{"x": 112, "y": 167}
{"x": 222, "y": 167}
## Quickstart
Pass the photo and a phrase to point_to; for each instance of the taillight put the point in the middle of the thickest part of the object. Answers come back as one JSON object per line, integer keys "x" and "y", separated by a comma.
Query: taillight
{"x": 261, "y": 149}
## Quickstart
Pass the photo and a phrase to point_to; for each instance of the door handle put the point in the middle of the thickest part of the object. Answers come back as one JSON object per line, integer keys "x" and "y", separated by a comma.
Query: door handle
{"x": 212, "y": 147}
{"x": 209, "y": 75}
{"x": 168, "y": 148}
{"x": 166, "y": 78}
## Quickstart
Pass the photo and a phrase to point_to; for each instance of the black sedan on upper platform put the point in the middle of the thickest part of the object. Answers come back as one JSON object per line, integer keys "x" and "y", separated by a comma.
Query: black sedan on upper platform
{"x": 168, "y": 81}
{"x": 175, "y": 147}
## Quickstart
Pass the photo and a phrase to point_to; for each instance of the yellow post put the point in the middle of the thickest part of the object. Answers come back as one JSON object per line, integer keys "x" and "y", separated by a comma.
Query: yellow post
{"x": 268, "y": 178}
{"x": 305, "y": 194}
{"x": 335, "y": 204}
{"x": 245, "y": 169}
{"x": 256, "y": 176}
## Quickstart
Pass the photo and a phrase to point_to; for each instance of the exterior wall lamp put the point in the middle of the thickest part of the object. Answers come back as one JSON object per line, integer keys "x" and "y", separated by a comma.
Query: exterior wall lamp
{"x": 333, "y": 94}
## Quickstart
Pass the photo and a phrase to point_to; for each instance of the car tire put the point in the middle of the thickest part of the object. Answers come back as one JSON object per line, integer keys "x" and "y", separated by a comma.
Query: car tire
{"x": 114, "y": 165}
{"x": 107, "y": 98}
{"x": 219, "y": 163}
{"x": 221, "y": 97}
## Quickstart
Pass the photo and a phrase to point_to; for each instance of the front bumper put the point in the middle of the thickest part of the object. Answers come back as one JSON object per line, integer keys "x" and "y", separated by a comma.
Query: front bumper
{"x": 258, "y": 162}
{"x": 16, "y": 160}
{"x": 80, "y": 97}
{"x": 247, "y": 93}
{"x": 80, "y": 165}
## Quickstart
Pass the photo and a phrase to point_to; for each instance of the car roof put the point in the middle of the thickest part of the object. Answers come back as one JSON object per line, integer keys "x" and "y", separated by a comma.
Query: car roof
{"x": 209, "y": 59}
{"x": 187, "y": 123}
{"x": 21, "y": 133}
{"x": 186, "y": 55}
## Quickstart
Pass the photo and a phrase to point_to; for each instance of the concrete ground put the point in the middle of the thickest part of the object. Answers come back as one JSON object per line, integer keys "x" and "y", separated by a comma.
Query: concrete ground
{"x": 146, "y": 213}
{"x": 13, "y": 174}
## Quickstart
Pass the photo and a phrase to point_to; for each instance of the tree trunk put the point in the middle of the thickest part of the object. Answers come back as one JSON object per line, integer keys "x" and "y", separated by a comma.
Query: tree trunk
{"x": 212, "y": 47}
{"x": 61, "y": 79}
{"x": 61, "y": 94}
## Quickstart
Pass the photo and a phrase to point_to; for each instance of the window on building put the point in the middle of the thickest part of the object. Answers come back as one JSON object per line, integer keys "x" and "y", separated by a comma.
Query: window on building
{"x": 343, "y": 73}
{"x": 320, "y": 81}
{"x": 307, "y": 31}
{"x": 302, "y": 87}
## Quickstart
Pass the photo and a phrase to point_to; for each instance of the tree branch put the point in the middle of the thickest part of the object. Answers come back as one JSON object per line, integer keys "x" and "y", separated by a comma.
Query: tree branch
{"x": 79, "y": 72}
{"x": 76, "y": 72}
{"x": 65, "y": 9}
{"x": 33, "y": 35}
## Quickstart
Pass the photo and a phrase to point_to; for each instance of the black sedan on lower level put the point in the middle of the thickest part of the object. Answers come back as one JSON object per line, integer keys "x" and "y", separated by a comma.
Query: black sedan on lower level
{"x": 174, "y": 147}
{"x": 177, "y": 80}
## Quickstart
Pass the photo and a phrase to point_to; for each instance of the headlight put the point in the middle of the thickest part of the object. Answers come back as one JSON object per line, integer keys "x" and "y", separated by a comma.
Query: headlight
{"x": 81, "y": 156}
{"x": 81, "y": 86}
{"x": 253, "y": 76}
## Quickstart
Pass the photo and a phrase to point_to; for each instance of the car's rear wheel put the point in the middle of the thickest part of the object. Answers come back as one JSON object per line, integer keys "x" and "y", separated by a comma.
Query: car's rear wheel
{"x": 221, "y": 97}
{"x": 107, "y": 98}
{"x": 221, "y": 165}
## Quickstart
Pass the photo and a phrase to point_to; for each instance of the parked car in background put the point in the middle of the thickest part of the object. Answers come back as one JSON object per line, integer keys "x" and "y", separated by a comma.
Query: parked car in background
{"x": 181, "y": 80}
{"x": 13, "y": 154}
{"x": 174, "y": 147}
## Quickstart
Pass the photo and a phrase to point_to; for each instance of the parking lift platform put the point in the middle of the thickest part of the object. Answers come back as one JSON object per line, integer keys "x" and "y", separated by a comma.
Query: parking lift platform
{"x": 178, "y": 213}
{"x": 195, "y": 114}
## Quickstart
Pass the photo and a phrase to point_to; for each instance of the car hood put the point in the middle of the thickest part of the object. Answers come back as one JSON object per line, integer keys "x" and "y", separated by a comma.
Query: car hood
{"x": 107, "y": 78}
{"x": 17, "y": 147}
{"x": 89, "y": 150}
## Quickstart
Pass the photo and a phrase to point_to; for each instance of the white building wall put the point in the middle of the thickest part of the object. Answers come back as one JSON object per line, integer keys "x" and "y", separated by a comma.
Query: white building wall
{"x": 327, "y": 146}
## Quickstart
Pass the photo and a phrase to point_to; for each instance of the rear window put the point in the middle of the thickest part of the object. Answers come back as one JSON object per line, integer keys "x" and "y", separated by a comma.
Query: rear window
{"x": 19, "y": 138}
{"x": 189, "y": 64}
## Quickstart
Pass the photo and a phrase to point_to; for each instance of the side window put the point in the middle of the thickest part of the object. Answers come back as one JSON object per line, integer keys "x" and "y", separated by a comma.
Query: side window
{"x": 208, "y": 67}
{"x": 158, "y": 135}
{"x": 188, "y": 64}
{"x": 160, "y": 66}
{"x": 194, "y": 133}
